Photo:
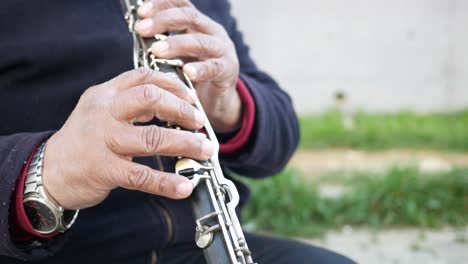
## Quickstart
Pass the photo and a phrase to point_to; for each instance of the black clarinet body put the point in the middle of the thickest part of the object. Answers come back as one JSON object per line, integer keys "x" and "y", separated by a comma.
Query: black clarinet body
{"x": 214, "y": 199}
{"x": 201, "y": 206}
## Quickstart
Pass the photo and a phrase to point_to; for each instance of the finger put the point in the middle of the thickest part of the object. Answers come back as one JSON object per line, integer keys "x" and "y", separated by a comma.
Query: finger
{"x": 134, "y": 176}
{"x": 153, "y": 140}
{"x": 140, "y": 100}
{"x": 196, "y": 45}
{"x": 176, "y": 20}
{"x": 154, "y": 6}
{"x": 205, "y": 70}
{"x": 144, "y": 75}
{"x": 144, "y": 118}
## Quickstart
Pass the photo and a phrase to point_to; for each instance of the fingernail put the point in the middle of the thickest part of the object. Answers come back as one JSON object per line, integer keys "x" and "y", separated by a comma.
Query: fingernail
{"x": 191, "y": 72}
{"x": 184, "y": 189}
{"x": 193, "y": 95}
{"x": 201, "y": 135}
{"x": 144, "y": 25}
{"x": 208, "y": 148}
{"x": 199, "y": 117}
{"x": 145, "y": 8}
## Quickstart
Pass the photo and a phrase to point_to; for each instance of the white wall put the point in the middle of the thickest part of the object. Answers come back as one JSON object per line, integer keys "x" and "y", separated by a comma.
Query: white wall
{"x": 386, "y": 55}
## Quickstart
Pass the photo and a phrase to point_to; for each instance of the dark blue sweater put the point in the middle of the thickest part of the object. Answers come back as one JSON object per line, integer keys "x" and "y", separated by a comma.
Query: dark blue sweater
{"x": 50, "y": 52}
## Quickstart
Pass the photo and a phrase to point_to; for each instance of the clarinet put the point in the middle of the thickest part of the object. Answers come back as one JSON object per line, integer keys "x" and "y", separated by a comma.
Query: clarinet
{"x": 214, "y": 199}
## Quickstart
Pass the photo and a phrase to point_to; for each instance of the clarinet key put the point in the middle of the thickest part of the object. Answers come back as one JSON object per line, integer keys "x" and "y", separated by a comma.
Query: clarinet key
{"x": 203, "y": 239}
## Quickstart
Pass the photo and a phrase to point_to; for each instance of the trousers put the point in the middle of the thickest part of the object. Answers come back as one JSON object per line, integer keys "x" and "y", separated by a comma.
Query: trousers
{"x": 265, "y": 250}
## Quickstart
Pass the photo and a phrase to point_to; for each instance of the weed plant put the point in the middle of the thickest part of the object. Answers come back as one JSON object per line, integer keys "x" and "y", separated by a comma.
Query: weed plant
{"x": 441, "y": 131}
{"x": 402, "y": 197}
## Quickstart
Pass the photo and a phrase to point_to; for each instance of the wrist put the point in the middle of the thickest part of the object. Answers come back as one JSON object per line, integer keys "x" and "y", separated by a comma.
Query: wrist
{"x": 228, "y": 112}
{"x": 52, "y": 176}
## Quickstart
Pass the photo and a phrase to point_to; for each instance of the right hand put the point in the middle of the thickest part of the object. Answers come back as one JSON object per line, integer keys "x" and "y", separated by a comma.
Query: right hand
{"x": 92, "y": 153}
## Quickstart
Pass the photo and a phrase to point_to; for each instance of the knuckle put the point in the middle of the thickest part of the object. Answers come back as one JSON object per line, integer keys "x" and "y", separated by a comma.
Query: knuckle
{"x": 91, "y": 102}
{"x": 206, "y": 47}
{"x": 93, "y": 108}
{"x": 91, "y": 90}
{"x": 143, "y": 74}
{"x": 173, "y": 3}
{"x": 219, "y": 28}
{"x": 194, "y": 144}
{"x": 186, "y": 111}
{"x": 192, "y": 15}
{"x": 111, "y": 141}
{"x": 198, "y": 142}
{"x": 140, "y": 177}
{"x": 211, "y": 69}
{"x": 88, "y": 94}
{"x": 151, "y": 138}
{"x": 216, "y": 68}
{"x": 218, "y": 47}
{"x": 162, "y": 183}
{"x": 202, "y": 69}
{"x": 150, "y": 94}
{"x": 217, "y": 65}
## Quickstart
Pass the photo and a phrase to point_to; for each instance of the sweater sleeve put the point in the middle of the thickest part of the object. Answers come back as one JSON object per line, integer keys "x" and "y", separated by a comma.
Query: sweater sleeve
{"x": 233, "y": 142}
{"x": 14, "y": 152}
{"x": 275, "y": 133}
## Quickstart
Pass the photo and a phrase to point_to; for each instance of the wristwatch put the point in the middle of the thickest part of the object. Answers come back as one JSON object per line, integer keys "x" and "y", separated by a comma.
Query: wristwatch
{"x": 44, "y": 213}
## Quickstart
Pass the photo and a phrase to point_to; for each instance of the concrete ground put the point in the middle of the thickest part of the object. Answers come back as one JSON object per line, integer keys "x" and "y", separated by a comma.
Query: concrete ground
{"x": 406, "y": 246}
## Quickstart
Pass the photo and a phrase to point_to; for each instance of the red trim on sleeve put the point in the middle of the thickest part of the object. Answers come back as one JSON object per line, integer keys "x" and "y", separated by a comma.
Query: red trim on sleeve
{"x": 21, "y": 228}
{"x": 241, "y": 138}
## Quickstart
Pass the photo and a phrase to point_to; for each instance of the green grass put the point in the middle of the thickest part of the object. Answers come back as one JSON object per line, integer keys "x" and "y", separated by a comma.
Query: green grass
{"x": 288, "y": 205}
{"x": 382, "y": 131}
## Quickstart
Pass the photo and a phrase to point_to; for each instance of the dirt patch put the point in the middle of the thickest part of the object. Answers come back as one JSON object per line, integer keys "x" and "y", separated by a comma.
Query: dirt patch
{"x": 313, "y": 163}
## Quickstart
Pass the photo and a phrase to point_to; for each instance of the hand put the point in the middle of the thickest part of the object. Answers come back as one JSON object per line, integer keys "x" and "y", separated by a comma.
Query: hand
{"x": 92, "y": 153}
{"x": 214, "y": 66}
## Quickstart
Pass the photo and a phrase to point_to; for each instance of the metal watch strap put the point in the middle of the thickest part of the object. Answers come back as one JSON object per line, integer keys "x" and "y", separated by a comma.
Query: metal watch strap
{"x": 34, "y": 174}
{"x": 34, "y": 186}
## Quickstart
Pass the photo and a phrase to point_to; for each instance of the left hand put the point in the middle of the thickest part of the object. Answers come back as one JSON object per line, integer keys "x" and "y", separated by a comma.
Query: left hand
{"x": 212, "y": 65}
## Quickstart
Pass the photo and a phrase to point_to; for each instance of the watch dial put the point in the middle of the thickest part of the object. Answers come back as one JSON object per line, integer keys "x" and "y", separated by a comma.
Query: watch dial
{"x": 40, "y": 216}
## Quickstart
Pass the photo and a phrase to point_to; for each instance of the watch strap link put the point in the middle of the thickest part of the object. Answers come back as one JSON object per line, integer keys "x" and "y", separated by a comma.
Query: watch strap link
{"x": 34, "y": 173}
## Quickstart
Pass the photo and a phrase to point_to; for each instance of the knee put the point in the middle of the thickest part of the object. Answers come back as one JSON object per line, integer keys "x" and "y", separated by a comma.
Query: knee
{"x": 284, "y": 251}
{"x": 301, "y": 253}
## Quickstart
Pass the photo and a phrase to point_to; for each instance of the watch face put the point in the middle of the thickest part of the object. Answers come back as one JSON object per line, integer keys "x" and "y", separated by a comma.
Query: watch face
{"x": 41, "y": 217}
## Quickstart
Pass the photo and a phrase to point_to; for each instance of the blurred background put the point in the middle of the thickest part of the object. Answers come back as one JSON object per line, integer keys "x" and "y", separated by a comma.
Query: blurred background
{"x": 381, "y": 88}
